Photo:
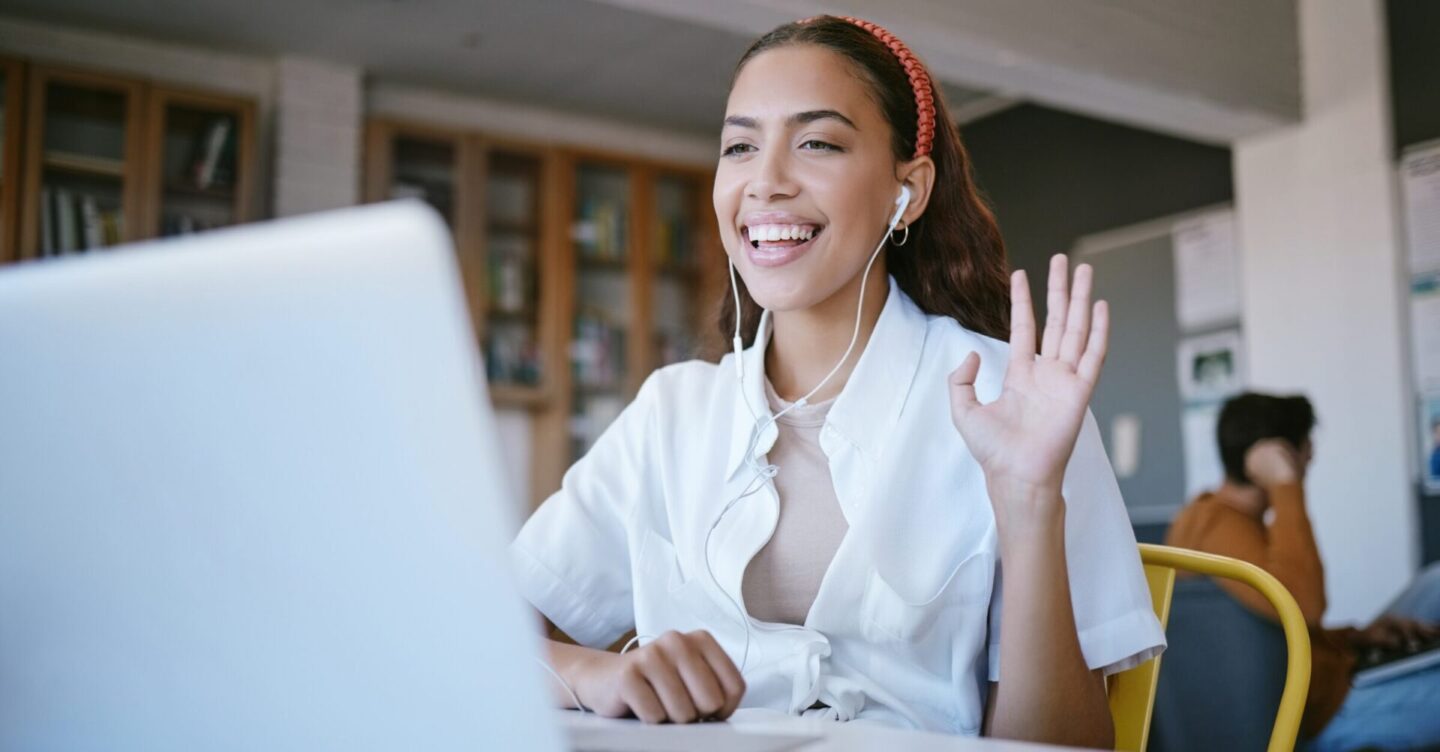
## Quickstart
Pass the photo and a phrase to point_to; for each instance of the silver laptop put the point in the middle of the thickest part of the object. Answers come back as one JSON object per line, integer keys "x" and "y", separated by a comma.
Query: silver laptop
{"x": 250, "y": 499}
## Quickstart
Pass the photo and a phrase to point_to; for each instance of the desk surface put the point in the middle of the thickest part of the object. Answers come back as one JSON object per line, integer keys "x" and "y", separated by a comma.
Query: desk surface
{"x": 591, "y": 733}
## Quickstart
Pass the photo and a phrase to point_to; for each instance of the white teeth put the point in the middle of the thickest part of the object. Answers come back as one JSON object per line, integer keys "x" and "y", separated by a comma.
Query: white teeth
{"x": 771, "y": 233}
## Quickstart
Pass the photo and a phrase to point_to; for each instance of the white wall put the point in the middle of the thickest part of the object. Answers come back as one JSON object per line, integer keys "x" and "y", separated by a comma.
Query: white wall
{"x": 539, "y": 124}
{"x": 1316, "y": 205}
{"x": 318, "y": 123}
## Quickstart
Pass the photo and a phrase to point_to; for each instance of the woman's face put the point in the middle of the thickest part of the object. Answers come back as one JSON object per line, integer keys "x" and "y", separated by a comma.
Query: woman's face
{"x": 807, "y": 182}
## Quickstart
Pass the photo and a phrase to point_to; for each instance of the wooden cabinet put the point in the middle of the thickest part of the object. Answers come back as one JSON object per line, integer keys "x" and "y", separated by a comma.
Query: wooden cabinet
{"x": 494, "y": 197}
{"x": 584, "y": 271}
{"x": 12, "y": 108}
{"x": 644, "y": 269}
{"x": 197, "y": 145}
{"x": 84, "y": 162}
{"x": 104, "y": 160}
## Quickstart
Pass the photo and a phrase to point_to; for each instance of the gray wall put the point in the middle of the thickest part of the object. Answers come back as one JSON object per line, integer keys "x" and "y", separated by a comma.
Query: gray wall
{"x": 1054, "y": 177}
{"x": 1415, "y": 69}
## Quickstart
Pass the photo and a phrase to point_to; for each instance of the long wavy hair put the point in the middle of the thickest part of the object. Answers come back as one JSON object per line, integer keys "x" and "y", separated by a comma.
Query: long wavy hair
{"x": 953, "y": 263}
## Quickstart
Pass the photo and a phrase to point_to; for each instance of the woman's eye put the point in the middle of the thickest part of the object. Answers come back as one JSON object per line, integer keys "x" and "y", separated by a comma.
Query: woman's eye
{"x": 734, "y": 149}
{"x": 816, "y": 144}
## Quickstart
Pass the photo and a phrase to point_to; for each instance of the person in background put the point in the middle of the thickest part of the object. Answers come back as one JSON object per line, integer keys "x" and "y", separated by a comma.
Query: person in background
{"x": 1266, "y": 448}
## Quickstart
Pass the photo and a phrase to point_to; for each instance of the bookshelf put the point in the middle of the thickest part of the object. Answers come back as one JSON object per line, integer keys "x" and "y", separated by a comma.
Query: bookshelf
{"x": 197, "y": 143}
{"x": 83, "y": 163}
{"x": 104, "y": 160}
{"x": 584, "y": 271}
{"x": 493, "y": 196}
{"x": 12, "y": 102}
{"x": 642, "y": 271}
{"x": 520, "y": 300}
{"x": 603, "y": 317}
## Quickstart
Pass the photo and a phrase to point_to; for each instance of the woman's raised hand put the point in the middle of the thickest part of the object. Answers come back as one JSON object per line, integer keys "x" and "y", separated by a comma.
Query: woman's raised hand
{"x": 1023, "y": 439}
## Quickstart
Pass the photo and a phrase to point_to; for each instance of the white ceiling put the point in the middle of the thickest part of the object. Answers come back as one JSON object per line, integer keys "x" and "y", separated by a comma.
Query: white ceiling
{"x": 578, "y": 55}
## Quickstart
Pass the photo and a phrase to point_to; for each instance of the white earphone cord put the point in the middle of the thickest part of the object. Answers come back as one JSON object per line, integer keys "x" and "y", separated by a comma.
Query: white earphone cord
{"x": 764, "y": 473}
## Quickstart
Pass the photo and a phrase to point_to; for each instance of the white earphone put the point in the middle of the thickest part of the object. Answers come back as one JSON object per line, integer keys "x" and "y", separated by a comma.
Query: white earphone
{"x": 768, "y": 471}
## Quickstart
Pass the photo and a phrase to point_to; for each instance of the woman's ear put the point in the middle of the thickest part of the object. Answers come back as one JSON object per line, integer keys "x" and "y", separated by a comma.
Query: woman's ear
{"x": 919, "y": 175}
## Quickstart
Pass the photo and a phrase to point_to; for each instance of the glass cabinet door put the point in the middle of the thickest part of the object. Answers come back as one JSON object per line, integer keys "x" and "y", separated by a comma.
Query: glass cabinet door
{"x": 599, "y": 344}
{"x": 513, "y": 355}
{"x": 86, "y": 174}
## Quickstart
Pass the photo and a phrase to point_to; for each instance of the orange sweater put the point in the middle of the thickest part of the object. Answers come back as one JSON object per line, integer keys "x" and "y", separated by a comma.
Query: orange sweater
{"x": 1286, "y": 549}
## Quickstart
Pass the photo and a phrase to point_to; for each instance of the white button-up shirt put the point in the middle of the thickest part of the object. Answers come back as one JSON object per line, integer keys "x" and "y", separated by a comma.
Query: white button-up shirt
{"x": 905, "y": 627}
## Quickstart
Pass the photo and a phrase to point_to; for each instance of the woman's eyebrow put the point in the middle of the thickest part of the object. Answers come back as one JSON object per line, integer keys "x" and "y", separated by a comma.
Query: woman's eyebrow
{"x": 799, "y": 118}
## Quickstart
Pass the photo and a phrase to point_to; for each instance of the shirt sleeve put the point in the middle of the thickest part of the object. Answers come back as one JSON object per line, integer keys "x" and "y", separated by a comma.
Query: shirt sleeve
{"x": 1114, "y": 617}
{"x": 571, "y": 559}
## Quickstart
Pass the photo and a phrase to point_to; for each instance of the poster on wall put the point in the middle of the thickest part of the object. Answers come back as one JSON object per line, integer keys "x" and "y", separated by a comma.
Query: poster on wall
{"x": 1430, "y": 440}
{"x": 1207, "y": 270}
{"x": 1425, "y": 330}
{"x": 1203, "y": 470}
{"x": 1420, "y": 185}
{"x": 1211, "y": 366}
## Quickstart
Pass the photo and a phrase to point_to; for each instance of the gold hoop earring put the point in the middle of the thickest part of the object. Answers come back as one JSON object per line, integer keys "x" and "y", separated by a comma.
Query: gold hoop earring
{"x": 904, "y": 237}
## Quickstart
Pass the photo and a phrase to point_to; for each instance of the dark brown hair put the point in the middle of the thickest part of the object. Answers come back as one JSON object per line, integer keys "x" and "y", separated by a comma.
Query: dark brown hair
{"x": 953, "y": 263}
{"x": 1251, "y": 418}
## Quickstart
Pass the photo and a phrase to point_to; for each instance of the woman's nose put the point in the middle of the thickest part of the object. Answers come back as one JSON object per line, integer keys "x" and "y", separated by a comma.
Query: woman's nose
{"x": 771, "y": 179}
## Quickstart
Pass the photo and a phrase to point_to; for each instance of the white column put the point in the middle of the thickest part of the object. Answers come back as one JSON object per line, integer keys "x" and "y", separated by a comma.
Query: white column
{"x": 1323, "y": 296}
{"x": 319, "y": 108}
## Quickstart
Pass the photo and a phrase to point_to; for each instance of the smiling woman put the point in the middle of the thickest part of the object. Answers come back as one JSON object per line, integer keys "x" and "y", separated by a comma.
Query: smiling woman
{"x": 805, "y": 528}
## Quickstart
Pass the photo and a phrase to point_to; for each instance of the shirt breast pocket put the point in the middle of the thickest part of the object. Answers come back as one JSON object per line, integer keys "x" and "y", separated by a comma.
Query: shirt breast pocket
{"x": 665, "y": 599}
{"x": 889, "y": 618}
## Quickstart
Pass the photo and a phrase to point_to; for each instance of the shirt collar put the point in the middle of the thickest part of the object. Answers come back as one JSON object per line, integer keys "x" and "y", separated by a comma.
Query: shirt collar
{"x": 868, "y": 407}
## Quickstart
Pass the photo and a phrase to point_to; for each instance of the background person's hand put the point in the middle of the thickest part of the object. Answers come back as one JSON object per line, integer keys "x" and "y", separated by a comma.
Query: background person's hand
{"x": 1395, "y": 632}
{"x": 1273, "y": 462}
{"x": 677, "y": 678}
{"x": 1024, "y": 438}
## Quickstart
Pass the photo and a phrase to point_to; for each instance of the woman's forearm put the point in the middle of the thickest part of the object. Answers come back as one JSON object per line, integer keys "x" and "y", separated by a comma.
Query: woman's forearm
{"x": 1046, "y": 692}
{"x": 567, "y": 660}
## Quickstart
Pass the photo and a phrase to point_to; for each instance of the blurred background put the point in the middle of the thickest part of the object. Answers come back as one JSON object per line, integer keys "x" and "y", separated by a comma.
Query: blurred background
{"x": 1256, "y": 181}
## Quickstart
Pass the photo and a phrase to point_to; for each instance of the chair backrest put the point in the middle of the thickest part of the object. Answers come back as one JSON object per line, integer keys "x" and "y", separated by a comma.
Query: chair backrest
{"x": 1133, "y": 692}
{"x": 1224, "y": 673}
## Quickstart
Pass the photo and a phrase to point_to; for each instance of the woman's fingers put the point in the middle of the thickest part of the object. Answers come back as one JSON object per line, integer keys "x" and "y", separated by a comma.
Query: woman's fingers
{"x": 962, "y": 386}
{"x": 700, "y": 681}
{"x": 725, "y": 671}
{"x": 1093, "y": 358}
{"x": 1056, "y": 303}
{"x": 638, "y": 694}
{"x": 1077, "y": 319}
{"x": 668, "y": 686}
{"x": 1022, "y": 323}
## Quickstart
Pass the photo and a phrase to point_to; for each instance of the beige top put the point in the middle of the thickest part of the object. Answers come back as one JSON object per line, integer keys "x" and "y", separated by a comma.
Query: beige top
{"x": 782, "y": 580}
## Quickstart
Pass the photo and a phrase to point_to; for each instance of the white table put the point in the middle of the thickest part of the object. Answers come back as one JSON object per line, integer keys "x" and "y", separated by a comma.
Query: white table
{"x": 771, "y": 733}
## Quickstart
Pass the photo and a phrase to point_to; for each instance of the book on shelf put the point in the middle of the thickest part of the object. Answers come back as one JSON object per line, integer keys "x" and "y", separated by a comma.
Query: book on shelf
{"x": 93, "y": 230}
{"x": 512, "y": 356}
{"x": 599, "y": 232}
{"x": 401, "y": 189}
{"x": 72, "y": 222}
{"x": 67, "y": 237}
{"x": 47, "y": 223}
{"x": 214, "y": 155}
{"x": 597, "y": 353}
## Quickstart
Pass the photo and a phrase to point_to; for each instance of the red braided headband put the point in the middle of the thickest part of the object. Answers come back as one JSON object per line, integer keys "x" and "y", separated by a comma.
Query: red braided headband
{"x": 919, "y": 81}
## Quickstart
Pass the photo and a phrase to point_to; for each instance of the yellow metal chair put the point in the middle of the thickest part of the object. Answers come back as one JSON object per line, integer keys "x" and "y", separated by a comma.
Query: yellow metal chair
{"x": 1132, "y": 693}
